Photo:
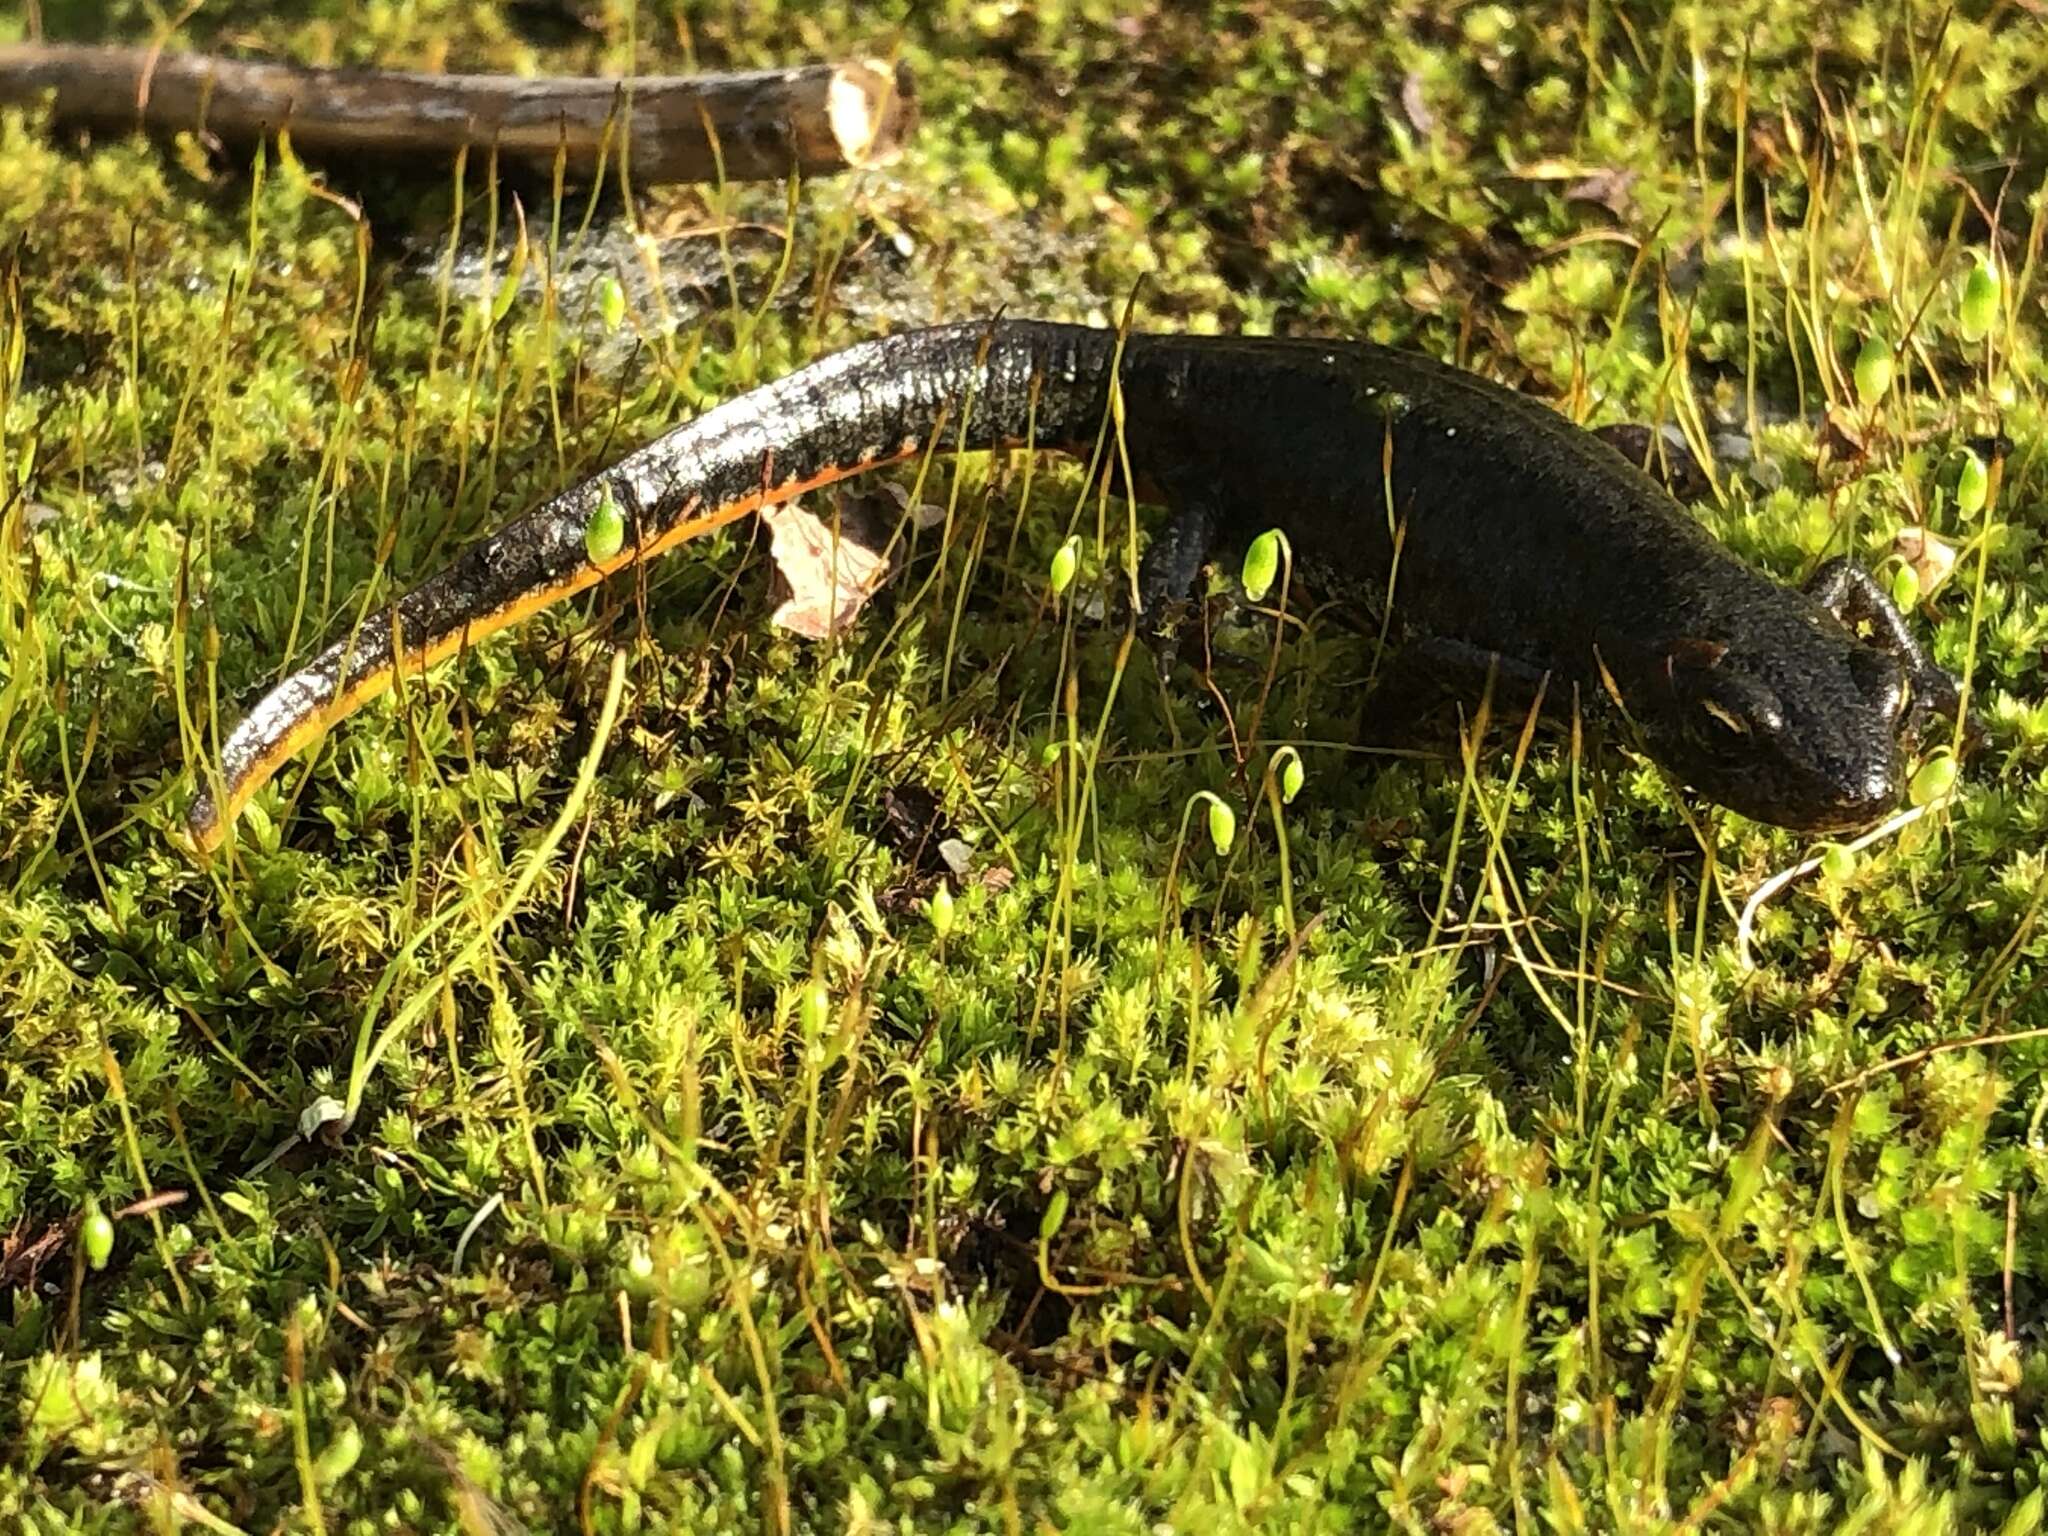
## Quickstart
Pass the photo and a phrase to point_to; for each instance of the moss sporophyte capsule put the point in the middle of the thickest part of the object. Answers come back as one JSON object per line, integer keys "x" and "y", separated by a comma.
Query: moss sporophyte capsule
{"x": 605, "y": 534}
{"x": 1979, "y": 307}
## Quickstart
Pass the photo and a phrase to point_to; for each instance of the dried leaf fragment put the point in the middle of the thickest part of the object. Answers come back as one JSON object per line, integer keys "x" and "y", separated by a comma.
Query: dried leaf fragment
{"x": 831, "y": 568}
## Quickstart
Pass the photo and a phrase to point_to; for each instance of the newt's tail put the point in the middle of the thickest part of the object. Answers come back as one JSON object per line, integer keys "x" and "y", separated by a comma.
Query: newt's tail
{"x": 986, "y": 384}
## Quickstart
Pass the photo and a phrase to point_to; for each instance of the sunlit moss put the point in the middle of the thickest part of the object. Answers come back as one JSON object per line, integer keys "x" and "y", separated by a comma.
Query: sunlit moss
{"x": 1337, "y": 1203}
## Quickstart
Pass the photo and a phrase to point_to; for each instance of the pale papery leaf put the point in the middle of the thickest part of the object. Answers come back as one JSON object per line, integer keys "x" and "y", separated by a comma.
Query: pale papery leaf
{"x": 1933, "y": 559}
{"x": 831, "y": 571}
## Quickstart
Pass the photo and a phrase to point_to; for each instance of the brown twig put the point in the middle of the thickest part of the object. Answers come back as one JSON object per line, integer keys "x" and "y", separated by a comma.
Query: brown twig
{"x": 816, "y": 120}
{"x": 2012, "y": 1232}
{"x": 1928, "y": 1052}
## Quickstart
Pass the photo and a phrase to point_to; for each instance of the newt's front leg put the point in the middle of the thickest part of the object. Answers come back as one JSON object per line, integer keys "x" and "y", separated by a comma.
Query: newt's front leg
{"x": 1168, "y": 574}
{"x": 1172, "y": 565}
{"x": 1853, "y": 596}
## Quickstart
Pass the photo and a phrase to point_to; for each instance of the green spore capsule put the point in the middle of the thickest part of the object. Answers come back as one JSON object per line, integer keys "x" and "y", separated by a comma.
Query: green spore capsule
{"x": 1065, "y": 562}
{"x": 340, "y": 1456}
{"x": 1873, "y": 371}
{"x": 96, "y": 1232}
{"x": 815, "y": 1010}
{"x": 611, "y": 302}
{"x": 1055, "y": 1215}
{"x": 1934, "y": 779}
{"x": 1973, "y": 486}
{"x": 1979, "y": 308}
{"x": 1292, "y": 776}
{"x": 1222, "y": 825}
{"x": 1261, "y": 564}
{"x": 605, "y": 534}
{"x": 1906, "y": 588}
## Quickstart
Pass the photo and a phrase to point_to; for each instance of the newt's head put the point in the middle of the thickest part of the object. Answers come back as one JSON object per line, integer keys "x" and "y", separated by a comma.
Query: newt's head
{"x": 1794, "y": 720}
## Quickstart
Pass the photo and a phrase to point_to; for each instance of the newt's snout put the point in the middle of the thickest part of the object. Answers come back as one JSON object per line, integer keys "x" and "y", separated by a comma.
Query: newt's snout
{"x": 1861, "y": 798}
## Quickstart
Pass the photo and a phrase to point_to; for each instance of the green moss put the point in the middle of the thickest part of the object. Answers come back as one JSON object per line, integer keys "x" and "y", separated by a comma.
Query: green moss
{"x": 1495, "y": 1193}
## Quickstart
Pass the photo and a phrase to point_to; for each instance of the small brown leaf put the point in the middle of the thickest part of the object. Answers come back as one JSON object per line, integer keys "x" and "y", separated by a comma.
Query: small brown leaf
{"x": 831, "y": 571}
{"x": 1840, "y": 437}
{"x": 1931, "y": 558}
{"x": 1608, "y": 187}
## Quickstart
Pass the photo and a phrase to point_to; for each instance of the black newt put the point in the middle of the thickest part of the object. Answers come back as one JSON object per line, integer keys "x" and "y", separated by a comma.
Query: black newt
{"x": 1528, "y": 548}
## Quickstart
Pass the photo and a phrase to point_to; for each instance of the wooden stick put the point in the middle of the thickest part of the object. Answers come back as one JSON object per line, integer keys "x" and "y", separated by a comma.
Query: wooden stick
{"x": 816, "y": 119}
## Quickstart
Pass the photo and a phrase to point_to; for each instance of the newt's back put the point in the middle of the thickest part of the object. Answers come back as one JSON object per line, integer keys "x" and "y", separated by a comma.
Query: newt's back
{"x": 1520, "y": 532}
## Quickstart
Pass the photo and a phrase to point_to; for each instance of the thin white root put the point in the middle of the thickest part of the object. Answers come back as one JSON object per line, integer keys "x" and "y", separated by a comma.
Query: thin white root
{"x": 1784, "y": 877}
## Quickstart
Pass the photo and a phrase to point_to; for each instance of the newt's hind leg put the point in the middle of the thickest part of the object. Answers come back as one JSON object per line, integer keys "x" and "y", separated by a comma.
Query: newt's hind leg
{"x": 1852, "y": 595}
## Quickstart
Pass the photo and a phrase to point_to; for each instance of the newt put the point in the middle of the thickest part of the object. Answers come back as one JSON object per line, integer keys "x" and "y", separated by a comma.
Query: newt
{"x": 1510, "y": 544}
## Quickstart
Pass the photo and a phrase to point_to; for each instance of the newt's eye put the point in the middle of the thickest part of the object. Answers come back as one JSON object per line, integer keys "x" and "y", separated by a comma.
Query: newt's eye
{"x": 1724, "y": 706}
{"x": 1733, "y": 721}
{"x": 1734, "y": 706}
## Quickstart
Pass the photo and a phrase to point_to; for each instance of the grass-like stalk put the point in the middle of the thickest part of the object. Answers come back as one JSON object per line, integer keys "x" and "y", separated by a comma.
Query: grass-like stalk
{"x": 370, "y": 1048}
